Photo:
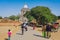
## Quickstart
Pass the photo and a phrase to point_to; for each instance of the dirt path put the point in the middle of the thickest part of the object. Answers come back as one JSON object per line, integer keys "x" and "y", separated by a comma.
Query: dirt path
{"x": 28, "y": 35}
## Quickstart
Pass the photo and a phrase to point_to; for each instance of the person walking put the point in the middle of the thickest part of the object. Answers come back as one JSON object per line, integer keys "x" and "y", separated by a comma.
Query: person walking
{"x": 24, "y": 26}
{"x": 44, "y": 30}
{"x": 48, "y": 30}
{"x": 9, "y": 34}
{"x": 56, "y": 26}
{"x": 34, "y": 26}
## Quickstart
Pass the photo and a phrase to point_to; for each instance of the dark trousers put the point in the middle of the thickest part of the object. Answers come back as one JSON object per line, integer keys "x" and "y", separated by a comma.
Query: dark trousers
{"x": 48, "y": 34}
{"x": 23, "y": 30}
{"x": 26, "y": 28}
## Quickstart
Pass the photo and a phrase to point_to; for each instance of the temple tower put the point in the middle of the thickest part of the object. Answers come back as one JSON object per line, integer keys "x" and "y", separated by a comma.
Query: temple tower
{"x": 23, "y": 11}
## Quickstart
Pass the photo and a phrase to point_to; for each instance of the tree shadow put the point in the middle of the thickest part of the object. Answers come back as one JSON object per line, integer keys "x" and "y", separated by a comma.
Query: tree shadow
{"x": 39, "y": 36}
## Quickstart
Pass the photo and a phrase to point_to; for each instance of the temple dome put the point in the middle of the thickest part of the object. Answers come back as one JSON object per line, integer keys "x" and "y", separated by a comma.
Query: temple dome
{"x": 25, "y": 6}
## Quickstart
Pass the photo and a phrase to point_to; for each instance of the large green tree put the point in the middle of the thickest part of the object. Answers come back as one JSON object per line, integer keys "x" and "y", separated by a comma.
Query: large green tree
{"x": 41, "y": 14}
{"x": 29, "y": 16}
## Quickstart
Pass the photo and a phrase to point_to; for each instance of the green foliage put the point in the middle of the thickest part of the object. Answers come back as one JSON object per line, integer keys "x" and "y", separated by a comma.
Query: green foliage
{"x": 30, "y": 18}
{"x": 13, "y": 17}
{"x": 41, "y": 14}
{"x": 17, "y": 17}
{"x": 58, "y": 17}
{"x": 0, "y": 17}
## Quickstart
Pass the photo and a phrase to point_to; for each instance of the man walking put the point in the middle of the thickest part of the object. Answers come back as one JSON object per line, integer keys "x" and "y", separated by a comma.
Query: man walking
{"x": 24, "y": 26}
{"x": 48, "y": 30}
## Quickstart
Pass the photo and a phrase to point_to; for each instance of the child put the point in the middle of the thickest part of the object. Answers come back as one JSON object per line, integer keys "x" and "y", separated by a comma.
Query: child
{"x": 9, "y": 34}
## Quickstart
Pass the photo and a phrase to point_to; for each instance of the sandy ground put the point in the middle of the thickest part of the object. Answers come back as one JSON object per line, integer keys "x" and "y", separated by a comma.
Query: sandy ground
{"x": 15, "y": 29}
{"x": 54, "y": 35}
{"x": 4, "y": 27}
{"x": 29, "y": 35}
{"x": 4, "y": 30}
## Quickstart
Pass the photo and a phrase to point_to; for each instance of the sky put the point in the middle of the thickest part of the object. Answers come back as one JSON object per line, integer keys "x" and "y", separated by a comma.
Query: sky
{"x": 13, "y": 7}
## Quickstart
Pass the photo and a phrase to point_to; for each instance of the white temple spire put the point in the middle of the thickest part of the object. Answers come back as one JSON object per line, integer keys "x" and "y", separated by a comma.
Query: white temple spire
{"x": 25, "y": 6}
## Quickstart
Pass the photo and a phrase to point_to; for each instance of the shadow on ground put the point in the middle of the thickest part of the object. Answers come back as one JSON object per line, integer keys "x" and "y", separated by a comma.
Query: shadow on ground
{"x": 39, "y": 36}
{"x": 6, "y": 38}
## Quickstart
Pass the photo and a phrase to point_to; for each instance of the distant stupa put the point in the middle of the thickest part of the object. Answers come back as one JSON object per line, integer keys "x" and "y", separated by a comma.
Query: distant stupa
{"x": 23, "y": 11}
{"x": 25, "y": 6}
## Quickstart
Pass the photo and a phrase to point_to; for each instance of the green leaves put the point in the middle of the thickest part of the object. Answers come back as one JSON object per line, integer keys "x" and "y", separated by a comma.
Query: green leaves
{"x": 13, "y": 17}
{"x": 29, "y": 16}
{"x": 41, "y": 14}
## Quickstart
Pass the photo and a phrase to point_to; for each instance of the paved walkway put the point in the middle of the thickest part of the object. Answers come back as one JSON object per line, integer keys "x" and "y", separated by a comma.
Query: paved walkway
{"x": 28, "y": 35}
